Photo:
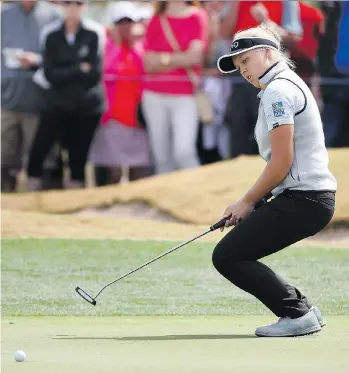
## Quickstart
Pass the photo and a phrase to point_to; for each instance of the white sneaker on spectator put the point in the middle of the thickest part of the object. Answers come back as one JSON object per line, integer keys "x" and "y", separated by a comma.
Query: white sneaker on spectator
{"x": 286, "y": 327}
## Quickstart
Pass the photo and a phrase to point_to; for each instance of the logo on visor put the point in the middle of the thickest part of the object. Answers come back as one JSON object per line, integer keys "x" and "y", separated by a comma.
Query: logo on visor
{"x": 235, "y": 45}
{"x": 278, "y": 109}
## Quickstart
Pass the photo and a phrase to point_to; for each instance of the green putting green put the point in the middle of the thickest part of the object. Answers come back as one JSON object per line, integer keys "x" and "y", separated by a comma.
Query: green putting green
{"x": 168, "y": 344}
{"x": 176, "y": 315}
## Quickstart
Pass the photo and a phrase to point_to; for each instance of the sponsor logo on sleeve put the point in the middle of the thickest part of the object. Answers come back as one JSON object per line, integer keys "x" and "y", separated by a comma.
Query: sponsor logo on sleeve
{"x": 278, "y": 109}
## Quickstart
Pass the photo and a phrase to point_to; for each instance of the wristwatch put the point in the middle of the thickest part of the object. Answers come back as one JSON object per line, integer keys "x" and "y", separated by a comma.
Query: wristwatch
{"x": 165, "y": 59}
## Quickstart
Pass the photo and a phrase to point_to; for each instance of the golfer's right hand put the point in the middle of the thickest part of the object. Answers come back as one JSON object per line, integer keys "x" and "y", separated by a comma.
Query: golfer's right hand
{"x": 228, "y": 216}
{"x": 237, "y": 212}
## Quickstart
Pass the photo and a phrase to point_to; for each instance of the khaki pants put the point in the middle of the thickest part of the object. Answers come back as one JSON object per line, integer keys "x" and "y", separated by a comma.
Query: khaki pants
{"x": 17, "y": 134}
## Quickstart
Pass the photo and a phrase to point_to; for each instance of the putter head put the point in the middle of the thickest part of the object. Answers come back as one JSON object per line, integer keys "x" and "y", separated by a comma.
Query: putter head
{"x": 85, "y": 296}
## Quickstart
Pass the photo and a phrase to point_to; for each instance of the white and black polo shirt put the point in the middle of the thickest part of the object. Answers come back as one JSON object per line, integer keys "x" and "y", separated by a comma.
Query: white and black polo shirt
{"x": 286, "y": 99}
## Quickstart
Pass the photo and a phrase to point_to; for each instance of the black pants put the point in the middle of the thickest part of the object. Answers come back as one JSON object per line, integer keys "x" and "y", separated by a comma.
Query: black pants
{"x": 241, "y": 117}
{"x": 206, "y": 156}
{"x": 283, "y": 221}
{"x": 73, "y": 130}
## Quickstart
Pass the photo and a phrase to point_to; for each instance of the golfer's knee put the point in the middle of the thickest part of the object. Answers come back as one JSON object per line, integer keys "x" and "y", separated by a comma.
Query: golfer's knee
{"x": 221, "y": 260}
{"x": 226, "y": 255}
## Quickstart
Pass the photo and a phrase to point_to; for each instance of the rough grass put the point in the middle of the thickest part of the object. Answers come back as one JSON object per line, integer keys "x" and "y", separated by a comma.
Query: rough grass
{"x": 39, "y": 278}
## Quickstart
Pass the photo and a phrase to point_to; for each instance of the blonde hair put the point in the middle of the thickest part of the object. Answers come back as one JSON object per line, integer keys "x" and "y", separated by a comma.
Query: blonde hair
{"x": 268, "y": 32}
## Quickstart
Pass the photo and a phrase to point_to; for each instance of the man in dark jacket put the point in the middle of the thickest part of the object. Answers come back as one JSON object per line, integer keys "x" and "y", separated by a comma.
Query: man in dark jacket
{"x": 74, "y": 102}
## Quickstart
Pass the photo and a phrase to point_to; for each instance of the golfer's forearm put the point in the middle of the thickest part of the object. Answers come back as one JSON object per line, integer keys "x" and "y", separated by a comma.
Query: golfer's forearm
{"x": 273, "y": 174}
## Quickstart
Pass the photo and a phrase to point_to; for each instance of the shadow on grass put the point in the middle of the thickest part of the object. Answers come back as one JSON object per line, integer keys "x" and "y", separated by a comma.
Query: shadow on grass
{"x": 165, "y": 337}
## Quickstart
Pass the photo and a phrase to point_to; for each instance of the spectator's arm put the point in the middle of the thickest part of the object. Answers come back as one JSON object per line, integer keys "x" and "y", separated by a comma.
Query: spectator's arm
{"x": 228, "y": 21}
{"x": 95, "y": 59}
{"x": 155, "y": 61}
{"x": 291, "y": 29}
{"x": 289, "y": 39}
{"x": 54, "y": 74}
{"x": 211, "y": 71}
{"x": 30, "y": 61}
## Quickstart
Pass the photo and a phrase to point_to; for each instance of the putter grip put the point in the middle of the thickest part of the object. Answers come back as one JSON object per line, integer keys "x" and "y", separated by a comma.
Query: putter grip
{"x": 222, "y": 222}
{"x": 219, "y": 224}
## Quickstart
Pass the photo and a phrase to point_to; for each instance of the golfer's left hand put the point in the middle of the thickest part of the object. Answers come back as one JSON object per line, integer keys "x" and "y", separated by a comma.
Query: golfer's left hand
{"x": 238, "y": 211}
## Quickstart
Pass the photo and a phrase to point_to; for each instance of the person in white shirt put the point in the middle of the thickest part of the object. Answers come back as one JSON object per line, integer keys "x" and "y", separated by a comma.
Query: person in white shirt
{"x": 290, "y": 139}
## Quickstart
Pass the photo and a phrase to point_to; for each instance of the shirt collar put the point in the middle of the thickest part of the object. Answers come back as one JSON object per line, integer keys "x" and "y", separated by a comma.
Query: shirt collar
{"x": 270, "y": 74}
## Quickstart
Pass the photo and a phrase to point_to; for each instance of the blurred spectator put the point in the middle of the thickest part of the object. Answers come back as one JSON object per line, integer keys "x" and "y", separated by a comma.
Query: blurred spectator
{"x": 302, "y": 25}
{"x": 119, "y": 142}
{"x": 332, "y": 54}
{"x": 213, "y": 139}
{"x": 145, "y": 13}
{"x": 304, "y": 50}
{"x": 72, "y": 64}
{"x": 342, "y": 55}
{"x": 20, "y": 96}
{"x": 241, "y": 115}
{"x": 169, "y": 103}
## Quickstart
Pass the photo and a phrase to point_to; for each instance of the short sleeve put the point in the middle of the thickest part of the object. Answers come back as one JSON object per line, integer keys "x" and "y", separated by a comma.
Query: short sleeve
{"x": 281, "y": 101}
{"x": 151, "y": 35}
{"x": 200, "y": 29}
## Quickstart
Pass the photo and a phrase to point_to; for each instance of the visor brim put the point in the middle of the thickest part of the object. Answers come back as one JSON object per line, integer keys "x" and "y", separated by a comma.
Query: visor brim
{"x": 225, "y": 63}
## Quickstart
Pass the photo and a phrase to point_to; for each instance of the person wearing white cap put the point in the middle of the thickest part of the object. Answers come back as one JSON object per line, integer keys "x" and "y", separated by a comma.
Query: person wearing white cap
{"x": 290, "y": 139}
{"x": 119, "y": 142}
{"x": 125, "y": 10}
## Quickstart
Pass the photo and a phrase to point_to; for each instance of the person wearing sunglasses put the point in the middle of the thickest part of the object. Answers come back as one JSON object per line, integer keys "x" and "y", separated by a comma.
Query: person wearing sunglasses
{"x": 74, "y": 102}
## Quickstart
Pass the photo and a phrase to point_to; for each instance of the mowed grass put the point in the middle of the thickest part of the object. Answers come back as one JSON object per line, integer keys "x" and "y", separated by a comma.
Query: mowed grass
{"x": 39, "y": 278}
{"x": 176, "y": 315}
{"x": 168, "y": 344}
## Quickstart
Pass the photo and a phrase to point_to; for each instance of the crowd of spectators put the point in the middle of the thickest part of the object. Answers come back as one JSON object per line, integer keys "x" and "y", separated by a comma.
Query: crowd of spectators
{"x": 141, "y": 92}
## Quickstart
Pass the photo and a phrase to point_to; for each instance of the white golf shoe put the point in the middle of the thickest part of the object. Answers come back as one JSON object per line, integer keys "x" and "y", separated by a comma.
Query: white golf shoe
{"x": 286, "y": 327}
{"x": 318, "y": 315}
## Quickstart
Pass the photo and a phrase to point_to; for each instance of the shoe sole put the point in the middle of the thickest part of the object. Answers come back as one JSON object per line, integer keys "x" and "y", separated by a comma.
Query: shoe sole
{"x": 301, "y": 334}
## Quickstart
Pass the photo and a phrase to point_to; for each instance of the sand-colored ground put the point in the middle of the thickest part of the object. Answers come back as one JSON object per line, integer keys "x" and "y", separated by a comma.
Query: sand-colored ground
{"x": 175, "y": 206}
{"x": 19, "y": 224}
{"x": 195, "y": 196}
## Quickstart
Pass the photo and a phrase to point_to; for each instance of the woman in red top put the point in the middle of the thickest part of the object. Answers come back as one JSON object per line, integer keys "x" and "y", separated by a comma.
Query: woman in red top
{"x": 119, "y": 142}
{"x": 169, "y": 104}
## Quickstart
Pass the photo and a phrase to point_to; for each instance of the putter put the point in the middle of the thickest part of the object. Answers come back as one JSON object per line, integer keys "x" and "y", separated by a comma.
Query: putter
{"x": 93, "y": 301}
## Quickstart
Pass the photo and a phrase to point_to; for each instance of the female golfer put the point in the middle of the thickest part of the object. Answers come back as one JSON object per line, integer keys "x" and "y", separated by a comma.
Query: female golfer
{"x": 290, "y": 139}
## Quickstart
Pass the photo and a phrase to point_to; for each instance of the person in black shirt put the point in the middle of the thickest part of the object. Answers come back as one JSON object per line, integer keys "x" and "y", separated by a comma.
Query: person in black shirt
{"x": 74, "y": 100}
